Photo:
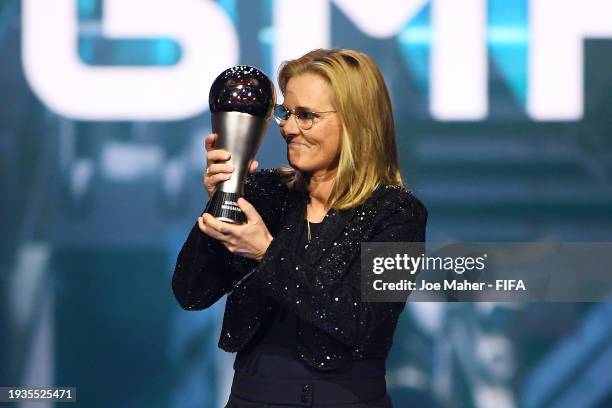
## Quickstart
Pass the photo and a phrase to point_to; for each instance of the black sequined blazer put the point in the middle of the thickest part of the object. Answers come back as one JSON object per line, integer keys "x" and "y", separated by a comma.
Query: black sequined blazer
{"x": 322, "y": 288}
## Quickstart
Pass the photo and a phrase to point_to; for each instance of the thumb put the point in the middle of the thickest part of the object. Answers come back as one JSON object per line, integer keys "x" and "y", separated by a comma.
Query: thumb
{"x": 249, "y": 211}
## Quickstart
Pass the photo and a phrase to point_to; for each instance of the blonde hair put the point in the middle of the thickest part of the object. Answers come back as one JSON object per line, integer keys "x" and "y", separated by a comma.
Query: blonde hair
{"x": 368, "y": 153}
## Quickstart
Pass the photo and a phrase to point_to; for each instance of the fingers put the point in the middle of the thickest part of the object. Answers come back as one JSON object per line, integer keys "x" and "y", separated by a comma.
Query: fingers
{"x": 220, "y": 168}
{"x": 222, "y": 227}
{"x": 217, "y": 155}
{"x": 201, "y": 225}
{"x": 210, "y": 140}
{"x": 253, "y": 166}
{"x": 216, "y": 170}
{"x": 211, "y": 180}
{"x": 249, "y": 211}
{"x": 208, "y": 230}
{"x": 215, "y": 228}
{"x": 216, "y": 173}
{"x": 214, "y": 155}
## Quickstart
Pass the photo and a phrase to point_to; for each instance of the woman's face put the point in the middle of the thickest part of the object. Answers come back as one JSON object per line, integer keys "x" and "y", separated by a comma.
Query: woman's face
{"x": 317, "y": 149}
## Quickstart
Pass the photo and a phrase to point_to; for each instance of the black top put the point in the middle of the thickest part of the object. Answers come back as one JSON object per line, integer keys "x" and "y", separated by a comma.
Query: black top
{"x": 272, "y": 352}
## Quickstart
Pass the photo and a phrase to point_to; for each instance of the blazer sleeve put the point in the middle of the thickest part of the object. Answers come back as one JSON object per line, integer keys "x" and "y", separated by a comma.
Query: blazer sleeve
{"x": 335, "y": 307}
{"x": 205, "y": 270}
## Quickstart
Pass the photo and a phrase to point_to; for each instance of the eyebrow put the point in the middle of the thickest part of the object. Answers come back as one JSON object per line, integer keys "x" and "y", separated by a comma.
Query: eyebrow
{"x": 306, "y": 108}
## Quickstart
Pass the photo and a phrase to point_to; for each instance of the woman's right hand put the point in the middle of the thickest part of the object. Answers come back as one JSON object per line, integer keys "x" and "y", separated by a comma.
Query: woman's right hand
{"x": 216, "y": 168}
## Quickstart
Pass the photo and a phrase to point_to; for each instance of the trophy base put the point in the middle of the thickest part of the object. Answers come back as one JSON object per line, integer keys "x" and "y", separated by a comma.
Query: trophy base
{"x": 223, "y": 206}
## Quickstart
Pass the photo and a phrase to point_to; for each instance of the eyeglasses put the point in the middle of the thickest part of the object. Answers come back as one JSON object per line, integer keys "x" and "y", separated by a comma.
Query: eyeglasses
{"x": 304, "y": 119}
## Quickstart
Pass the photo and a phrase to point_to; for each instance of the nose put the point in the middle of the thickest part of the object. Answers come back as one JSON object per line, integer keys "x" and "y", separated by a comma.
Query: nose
{"x": 290, "y": 128}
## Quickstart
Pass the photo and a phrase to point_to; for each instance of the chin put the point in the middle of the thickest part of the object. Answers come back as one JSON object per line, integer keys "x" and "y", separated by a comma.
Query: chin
{"x": 296, "y": 166}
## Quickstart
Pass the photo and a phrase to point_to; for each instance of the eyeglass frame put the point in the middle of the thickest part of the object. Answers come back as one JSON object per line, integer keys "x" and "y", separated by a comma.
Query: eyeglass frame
{"x": 293, "y": 112}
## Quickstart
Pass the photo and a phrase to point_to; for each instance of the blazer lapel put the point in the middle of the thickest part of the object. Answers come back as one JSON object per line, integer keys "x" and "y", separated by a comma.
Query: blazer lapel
{"x": 294, "y": 208}
{"x": 335, "y": 221}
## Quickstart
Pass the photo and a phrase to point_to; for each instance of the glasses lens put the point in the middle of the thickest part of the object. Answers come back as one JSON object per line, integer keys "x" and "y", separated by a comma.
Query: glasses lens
{"x": 304, "y": 119}
{"x": 281, "y": 113}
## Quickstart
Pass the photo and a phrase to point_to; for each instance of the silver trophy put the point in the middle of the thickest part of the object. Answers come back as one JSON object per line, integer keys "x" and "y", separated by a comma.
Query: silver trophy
{"x": 241, "y": 101}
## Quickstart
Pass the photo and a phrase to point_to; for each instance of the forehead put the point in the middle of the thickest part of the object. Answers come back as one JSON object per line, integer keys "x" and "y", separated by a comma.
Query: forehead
{"x": 309, "y": 91}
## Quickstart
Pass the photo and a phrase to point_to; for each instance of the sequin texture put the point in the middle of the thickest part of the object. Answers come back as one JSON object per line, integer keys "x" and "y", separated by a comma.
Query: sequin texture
{"x": 322, "y": 288}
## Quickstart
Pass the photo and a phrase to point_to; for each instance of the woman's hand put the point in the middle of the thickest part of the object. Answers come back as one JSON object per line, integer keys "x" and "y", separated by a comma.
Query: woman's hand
{"x": 250, "y": 239}
{"x": 216, "y": 170}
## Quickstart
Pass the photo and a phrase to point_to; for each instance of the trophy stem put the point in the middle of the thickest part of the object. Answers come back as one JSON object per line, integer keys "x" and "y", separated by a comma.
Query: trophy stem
{"x": 224, "y": 207}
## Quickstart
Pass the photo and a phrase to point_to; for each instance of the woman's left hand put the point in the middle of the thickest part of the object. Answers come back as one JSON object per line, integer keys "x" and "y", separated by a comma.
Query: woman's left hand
{"x": 250, "y": 239}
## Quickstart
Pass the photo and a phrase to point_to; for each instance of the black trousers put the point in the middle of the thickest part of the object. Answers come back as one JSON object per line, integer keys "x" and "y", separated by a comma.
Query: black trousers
{"x": 258, "y": 392}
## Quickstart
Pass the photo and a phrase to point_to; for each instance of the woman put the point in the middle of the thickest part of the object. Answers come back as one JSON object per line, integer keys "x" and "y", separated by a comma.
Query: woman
{"x": 294, "y": 313}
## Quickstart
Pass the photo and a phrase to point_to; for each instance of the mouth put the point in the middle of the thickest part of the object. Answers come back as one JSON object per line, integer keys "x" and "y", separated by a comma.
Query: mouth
{"x": 292, "y": 142}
